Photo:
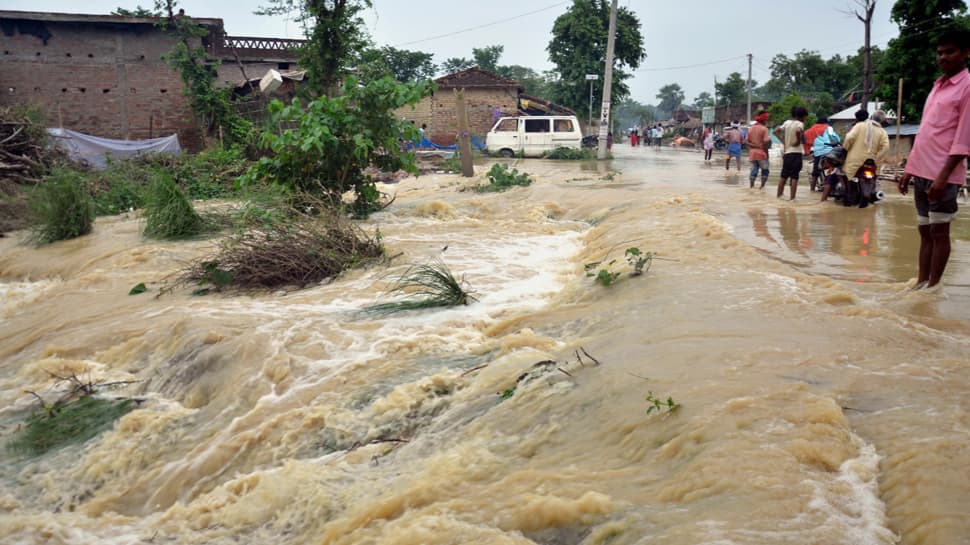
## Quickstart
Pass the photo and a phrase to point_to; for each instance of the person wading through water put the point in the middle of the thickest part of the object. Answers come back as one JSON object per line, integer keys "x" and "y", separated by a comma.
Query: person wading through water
{"x": 758, "y": 143}
{"x": 791, "y": 134}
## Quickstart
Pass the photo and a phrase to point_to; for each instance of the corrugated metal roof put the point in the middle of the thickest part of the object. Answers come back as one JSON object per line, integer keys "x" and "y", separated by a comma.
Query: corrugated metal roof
{"x": 904, "y": 130}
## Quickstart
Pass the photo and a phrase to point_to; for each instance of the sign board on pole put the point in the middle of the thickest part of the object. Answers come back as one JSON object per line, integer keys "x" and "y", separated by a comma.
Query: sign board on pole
{"x": 592, "y": 77}
{"x": 707, "y": 115}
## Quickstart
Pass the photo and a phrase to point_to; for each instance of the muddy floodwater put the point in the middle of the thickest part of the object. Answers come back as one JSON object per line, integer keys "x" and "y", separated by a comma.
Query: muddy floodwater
{"x": 820, "y": 400}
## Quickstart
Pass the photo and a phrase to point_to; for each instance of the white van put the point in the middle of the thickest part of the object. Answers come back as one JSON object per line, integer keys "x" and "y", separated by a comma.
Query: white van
{"x": 532, "y": 136}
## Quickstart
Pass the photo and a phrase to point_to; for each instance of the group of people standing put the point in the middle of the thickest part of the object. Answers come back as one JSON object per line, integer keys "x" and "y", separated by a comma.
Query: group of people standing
{"x": 647, "y": 136}
{"x": 936, "y": 167}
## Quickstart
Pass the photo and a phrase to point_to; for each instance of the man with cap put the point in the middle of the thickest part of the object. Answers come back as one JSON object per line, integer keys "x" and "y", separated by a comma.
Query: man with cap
{"x": 758, "y": 142}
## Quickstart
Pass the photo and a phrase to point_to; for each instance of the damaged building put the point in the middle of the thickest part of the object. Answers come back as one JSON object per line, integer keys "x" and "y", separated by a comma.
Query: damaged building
{"x": 106, "y": 75}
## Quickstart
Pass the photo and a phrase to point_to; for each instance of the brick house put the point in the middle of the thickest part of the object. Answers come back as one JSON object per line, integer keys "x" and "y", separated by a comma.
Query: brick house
{"x": 105, "y": 74}
{"x": 488, "y": 96}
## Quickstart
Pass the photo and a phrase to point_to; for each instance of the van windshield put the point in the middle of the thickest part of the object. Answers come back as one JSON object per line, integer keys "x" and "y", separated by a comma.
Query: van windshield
{"x": 507, "y": 125}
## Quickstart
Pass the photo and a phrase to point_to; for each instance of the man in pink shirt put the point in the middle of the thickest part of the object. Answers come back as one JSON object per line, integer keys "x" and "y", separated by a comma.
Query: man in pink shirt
{"x": 937, "y": 166}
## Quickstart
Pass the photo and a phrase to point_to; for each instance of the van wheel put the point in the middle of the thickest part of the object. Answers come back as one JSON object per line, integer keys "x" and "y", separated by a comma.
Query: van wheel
{"x": 507, "y": 153}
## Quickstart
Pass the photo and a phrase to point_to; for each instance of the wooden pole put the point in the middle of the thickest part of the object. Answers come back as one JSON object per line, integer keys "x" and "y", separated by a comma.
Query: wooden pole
{"x": 899, "y": 118}
{"x": 464, "y": 139}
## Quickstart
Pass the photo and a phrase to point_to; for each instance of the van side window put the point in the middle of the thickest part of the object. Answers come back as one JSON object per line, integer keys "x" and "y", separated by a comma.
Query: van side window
{"x": 564, "y": 125}
{"x": 507, "y": 125}
{"x": 536, "y": 125}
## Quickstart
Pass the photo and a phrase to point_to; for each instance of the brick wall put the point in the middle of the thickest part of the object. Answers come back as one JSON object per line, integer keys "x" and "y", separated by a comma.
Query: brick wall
{"x": 101, "y": 80}
{"x": 441, "y": 116}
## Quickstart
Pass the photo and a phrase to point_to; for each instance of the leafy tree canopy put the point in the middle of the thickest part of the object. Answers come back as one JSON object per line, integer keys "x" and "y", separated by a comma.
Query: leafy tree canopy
{"x": 703, "y": 100}
{"x": 456, "y": 64}
{"x": 487, "y": 57}
{"x": 335, "y": 38}
{"x": 137, "y": 12}
{"x": 781, "y": 111}
{"x": 400, "y": 64}
{"x": 578, "y": 48}
{"x": 671, "y": 96}
{"x": 912, "y": 55}
{"x": 733, "y": 90}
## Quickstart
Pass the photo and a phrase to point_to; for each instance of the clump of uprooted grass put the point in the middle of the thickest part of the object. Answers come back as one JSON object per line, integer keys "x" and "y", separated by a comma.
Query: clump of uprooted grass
{"x": 61, "y": 206}
{"x": 168, "y": 213}
{"x": 500, "y": 178}
{"x": 293, "y": 249}
{"x": 65, "y": 423}
{"x": 430, "y": 285}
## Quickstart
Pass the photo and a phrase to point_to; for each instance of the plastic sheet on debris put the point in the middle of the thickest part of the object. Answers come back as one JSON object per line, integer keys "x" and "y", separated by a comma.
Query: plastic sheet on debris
{"x": 95, "y": 151}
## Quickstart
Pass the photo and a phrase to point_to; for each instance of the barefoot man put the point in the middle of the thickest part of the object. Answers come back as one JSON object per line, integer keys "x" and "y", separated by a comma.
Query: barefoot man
{"x": 937, "y": 166}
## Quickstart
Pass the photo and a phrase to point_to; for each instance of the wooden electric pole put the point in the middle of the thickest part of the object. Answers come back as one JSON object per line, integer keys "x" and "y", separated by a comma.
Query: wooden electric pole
{"x": 464, "y": 139}
{"x": 607, "y": 85}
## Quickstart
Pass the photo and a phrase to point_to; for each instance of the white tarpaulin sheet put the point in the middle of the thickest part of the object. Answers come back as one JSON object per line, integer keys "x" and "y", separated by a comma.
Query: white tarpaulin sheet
{"x": 95, "y": 150}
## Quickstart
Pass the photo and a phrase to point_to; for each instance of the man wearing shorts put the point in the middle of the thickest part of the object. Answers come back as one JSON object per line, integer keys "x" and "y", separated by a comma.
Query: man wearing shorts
{"x": 937, "y": 166}
{"x": 758, "y": 141}
{"x": 791, "y": 134}
{"x": 733, "y": 138}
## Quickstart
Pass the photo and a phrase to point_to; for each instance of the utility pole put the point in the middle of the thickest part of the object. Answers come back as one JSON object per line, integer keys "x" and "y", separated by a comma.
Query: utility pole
{"x": 715, "y": 103}
{"x": 589, "y": 125}
{"x": 464, "y": 139}
{"x": 868, "y": 7}
{"x": 607, "y": 84}
{"x": 747, "y": 120}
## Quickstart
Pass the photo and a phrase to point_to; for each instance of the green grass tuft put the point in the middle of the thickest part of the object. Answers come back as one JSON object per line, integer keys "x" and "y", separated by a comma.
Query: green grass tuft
{"x": 425, "y": 286}
{"x": 571, "y": 154}
{"x": 500, "y": 178}
{"x": 61, "y": 206}
{"x": 75, "y": 422}
{"x": 168, "y": 213}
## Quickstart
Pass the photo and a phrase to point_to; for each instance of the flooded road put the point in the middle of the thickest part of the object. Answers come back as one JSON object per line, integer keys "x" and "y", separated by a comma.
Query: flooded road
{"x": 820, "y": 401}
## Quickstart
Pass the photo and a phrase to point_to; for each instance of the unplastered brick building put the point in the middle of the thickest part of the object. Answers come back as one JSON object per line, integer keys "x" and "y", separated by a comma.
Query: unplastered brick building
{"x": 106, "y": 75}
{"x": 488, "y": 96}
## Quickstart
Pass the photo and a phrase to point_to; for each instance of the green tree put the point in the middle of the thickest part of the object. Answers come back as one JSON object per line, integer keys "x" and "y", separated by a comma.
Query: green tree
{"x": 671, "y": 96}
{"x": 336, "y": 140}
{"x": 912, "y": 55}
{"x": 335, "y": 37}
{"x": 781, "y": 111}
{"x": 400, "y": 64}
{"x": 456, "y": 64}
{"x": 578, "y": 47}
{"x": 534, "y": 83}
{"x": 734, "y": 90}
{"x": 137, "y": 12}
{"x": 487, "y": 57}
{"x": 703, "y": 100}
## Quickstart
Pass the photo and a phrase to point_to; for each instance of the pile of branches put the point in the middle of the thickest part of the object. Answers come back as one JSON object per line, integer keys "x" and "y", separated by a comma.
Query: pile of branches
{"x": 297, "y": 249}
{"x": 25, "y": 155}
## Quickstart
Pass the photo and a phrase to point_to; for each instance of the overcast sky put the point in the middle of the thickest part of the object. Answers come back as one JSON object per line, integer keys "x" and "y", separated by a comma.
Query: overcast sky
{"x": 689, "y": 42}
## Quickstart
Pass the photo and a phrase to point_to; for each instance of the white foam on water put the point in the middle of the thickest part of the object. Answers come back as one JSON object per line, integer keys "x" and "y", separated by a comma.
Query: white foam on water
{"x": 16, "y": 295}
{"x": 853, "y": 505}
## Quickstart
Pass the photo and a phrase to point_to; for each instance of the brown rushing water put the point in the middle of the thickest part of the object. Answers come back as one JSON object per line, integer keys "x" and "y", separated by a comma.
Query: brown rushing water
{"x": 821, "y": 401}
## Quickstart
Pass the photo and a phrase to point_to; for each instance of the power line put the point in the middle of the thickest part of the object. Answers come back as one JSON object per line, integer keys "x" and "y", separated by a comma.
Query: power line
{"x": 690, "y": 65}
{"x": 486, "y": 25}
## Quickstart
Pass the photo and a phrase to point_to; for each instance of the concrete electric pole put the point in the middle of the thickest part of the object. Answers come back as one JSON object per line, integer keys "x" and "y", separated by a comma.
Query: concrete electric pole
{"x": 747, "y": 120}
{"x": 607, "y": 85}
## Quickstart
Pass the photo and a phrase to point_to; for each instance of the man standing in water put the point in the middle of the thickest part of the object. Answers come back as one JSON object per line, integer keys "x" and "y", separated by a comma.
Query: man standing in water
{"x": 937, "y": 165}
{"x": 791, "y": 134}
{"x": 758, "y": 141}
{"x": 732, "y": 135}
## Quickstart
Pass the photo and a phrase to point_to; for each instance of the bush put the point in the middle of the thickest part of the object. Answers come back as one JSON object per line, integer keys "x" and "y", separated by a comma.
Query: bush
{"x": 168, "y": 214}
{"x": 570, "y": 154}
{"x": 335, "y": 139}
{"x": 61, "y": 206}
{"x": 500, "y": 178}
{"x": 293, "y": 249}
